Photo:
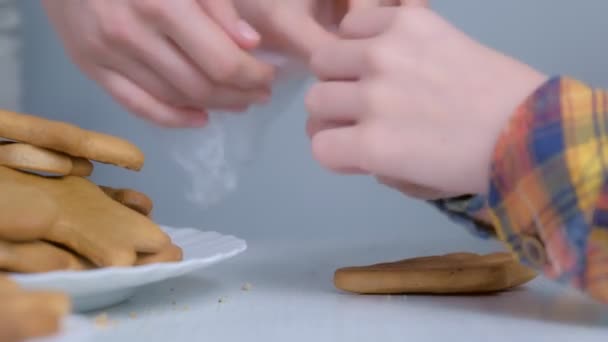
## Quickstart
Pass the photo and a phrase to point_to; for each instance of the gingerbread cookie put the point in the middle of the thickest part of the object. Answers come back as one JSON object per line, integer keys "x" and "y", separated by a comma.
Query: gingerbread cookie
{"x": 70, "y": 139}
{"x": 171, "y": 253}
{"x": 87, "y": 221}
{"x": 18, "y": 203}
{"x": 25, "y": 315}
{"x": 456, "y": 273}
{"x": 38, "y": 257}
{"x": 31, "y": 158}
{"x": 37, "y": 159}
{"x": 81, "y": 167}
{"x": 7, "y": 285}
{"x": 135, "y": 200}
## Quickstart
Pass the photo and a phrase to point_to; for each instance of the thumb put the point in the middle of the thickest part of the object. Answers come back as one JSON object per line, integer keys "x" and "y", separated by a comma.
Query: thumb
{"x": 303, "y": 34}
{"x": 224, "y": 13}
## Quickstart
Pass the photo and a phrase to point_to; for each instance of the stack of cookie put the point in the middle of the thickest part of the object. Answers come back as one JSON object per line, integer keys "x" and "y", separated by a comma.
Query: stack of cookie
{"x": 52, "y": 217}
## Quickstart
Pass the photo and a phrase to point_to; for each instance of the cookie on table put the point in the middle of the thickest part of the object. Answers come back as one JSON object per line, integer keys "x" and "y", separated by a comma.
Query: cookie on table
{"x": 455, "y": 273}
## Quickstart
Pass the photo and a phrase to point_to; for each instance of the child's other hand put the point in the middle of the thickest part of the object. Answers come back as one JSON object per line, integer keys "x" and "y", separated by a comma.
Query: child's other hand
{"x": 166, "y": 61}
{"x": 407, "y": 97}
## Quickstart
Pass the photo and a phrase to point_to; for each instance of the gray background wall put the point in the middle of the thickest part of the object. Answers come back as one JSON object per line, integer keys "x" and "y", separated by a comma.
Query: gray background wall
{"x": 284, "y": 193}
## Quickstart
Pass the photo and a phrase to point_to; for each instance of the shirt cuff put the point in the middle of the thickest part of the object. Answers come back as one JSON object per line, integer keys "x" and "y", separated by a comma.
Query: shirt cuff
{"x": 469, "y": 211}
{"x": 547, "y": 175}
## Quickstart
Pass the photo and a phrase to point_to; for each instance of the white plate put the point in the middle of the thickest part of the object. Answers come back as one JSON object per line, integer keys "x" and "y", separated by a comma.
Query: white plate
{"x": 100, "y": 288}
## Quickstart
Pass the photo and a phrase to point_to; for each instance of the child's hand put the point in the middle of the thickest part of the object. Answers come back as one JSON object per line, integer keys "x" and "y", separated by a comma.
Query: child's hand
{"x": 291, "y": 27}
{"x": 297, "y": 27}
{"x": 407, "y": 97}
{"x": 167, "y": 61}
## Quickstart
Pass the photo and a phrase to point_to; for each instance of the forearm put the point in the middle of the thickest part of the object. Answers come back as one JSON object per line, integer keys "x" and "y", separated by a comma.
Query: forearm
{"x": 548, "y": 197}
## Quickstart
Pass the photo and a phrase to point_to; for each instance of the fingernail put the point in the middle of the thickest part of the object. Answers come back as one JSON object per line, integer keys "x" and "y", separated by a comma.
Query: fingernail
{"x": 246, "y": 31}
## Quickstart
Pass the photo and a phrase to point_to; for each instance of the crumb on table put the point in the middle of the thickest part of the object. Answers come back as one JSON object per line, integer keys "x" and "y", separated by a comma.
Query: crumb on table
{"x": 103, "y": 320}
{"x": 133, "y": 315}
{"x": 246, "y": 287}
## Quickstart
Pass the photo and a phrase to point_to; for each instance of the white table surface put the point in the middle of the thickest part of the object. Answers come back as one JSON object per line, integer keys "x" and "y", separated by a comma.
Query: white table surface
{"x": 292, "y": 299}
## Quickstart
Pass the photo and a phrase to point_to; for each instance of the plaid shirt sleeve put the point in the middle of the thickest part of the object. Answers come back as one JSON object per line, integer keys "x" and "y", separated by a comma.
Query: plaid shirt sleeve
{"x": 548, "y": 197}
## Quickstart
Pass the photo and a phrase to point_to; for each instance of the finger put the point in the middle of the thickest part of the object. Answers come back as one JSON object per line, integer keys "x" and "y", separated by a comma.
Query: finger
{"x": 205, "y": 43}
{"x": 338, "y": 149}
{"x": 176, "y": 69}
{"x": 229, "y": 97}
{"x": 303, "y": 33}
{"x": 368, "y": 23}
{"x": 357, "y": 5}
{"x": 146, "y": 106}
{"x": 335, "y": 101}
{"x": 145, "y": 77}
{"x": 226, "y": 16}
{"x": 145, "y": 57}
{"x": 314, "y": 125}
{"x": 342, "y": 60}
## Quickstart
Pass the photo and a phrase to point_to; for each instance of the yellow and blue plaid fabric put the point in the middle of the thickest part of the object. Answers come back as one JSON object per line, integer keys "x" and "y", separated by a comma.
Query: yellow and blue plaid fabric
{"x": 548, "y": 197}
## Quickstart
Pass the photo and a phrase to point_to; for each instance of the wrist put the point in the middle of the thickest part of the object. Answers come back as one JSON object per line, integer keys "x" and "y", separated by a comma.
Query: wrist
{"x": 515, "y": 82}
